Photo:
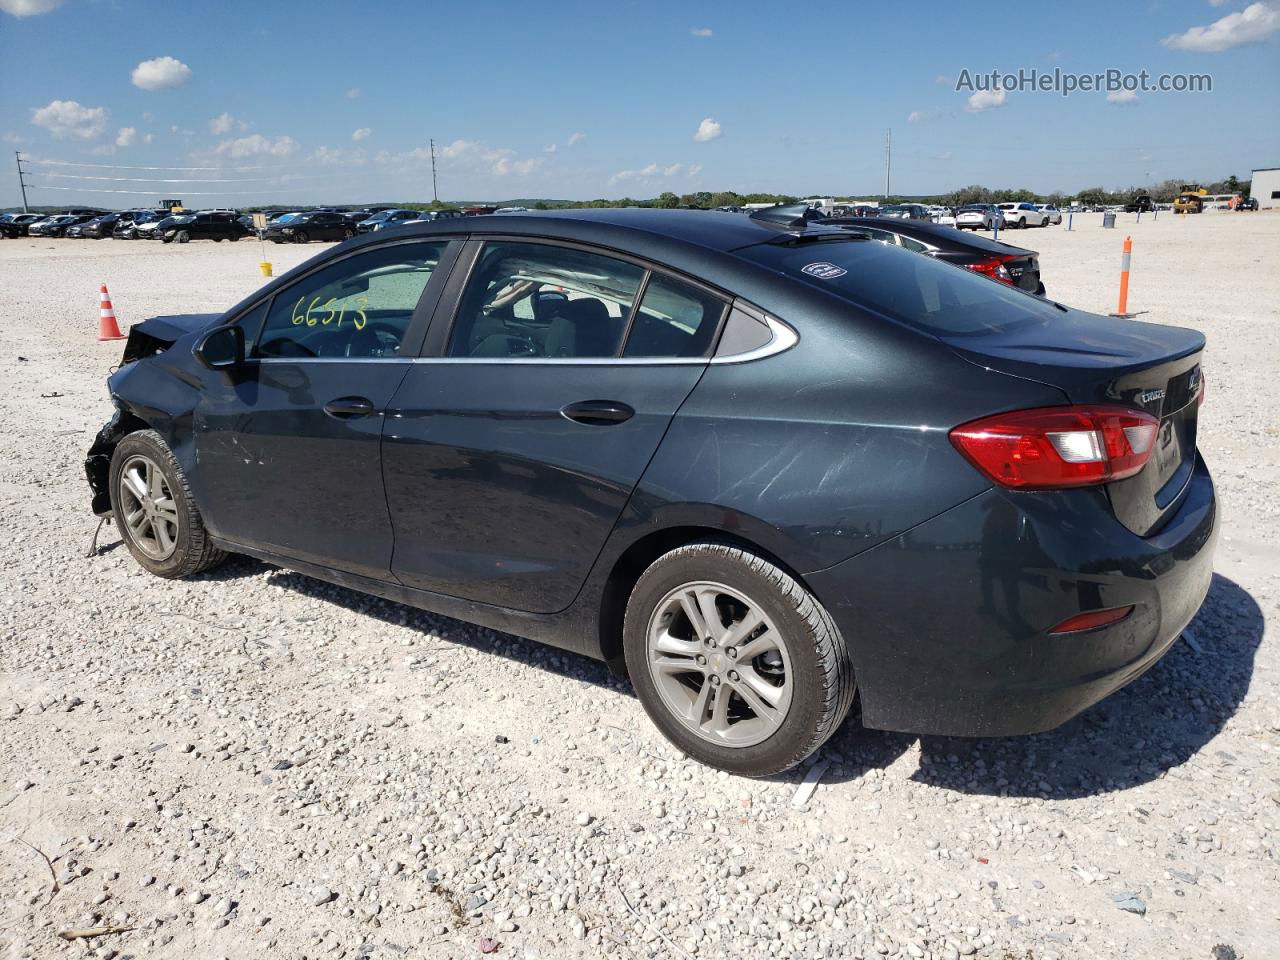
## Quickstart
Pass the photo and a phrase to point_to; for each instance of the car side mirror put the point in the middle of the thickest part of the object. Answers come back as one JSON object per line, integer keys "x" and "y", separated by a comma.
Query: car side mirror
{"x": 221, "y": 348}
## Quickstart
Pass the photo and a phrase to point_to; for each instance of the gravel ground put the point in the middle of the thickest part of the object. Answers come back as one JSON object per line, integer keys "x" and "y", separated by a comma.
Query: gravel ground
{"x": 255, "y": 764}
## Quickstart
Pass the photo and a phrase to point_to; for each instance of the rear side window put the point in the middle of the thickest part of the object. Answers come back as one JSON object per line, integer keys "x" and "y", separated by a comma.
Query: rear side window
{"x": 921, "y": 292}
{"x": 674, "y": 320}
{"x": 534, "y": 300}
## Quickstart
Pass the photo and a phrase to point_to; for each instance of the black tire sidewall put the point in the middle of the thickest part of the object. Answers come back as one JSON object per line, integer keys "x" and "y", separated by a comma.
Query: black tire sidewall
{"x": 786, "y": 747}
{"x": 148, "y": 445}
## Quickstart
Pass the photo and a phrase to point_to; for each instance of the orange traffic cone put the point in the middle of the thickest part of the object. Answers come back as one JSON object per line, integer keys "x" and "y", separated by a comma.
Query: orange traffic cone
{"x": 108, "y": 329}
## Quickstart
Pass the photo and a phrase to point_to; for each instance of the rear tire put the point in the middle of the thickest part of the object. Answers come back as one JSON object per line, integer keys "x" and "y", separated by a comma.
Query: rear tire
{"x": 154, "y": 510}
{"x": 301, "y": 237}
{"x": 775, "y": 681}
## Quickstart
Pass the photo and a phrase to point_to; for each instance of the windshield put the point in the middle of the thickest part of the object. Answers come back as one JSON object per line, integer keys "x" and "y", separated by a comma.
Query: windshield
{"x": 287, "y": 218}
{"x": 927, "y": 294}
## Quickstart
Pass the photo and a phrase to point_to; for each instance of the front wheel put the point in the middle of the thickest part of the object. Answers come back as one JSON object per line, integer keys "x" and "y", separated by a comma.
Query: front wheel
{"x": 301, "y": 237}
{"x": 734, "y": 660}
{"x": 183, "y": 237}
{"x": 154, "y": 510}
{"x": 348, "y": 234}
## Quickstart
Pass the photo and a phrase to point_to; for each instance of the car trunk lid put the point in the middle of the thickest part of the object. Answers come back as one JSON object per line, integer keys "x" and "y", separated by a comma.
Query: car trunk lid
{"x": 1094, "y": 359}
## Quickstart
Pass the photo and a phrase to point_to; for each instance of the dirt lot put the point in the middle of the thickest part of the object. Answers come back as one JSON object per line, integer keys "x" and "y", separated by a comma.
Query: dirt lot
{"x": 255, "y": 764}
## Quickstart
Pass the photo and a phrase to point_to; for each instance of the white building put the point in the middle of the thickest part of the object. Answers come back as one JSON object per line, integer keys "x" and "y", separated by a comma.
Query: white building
{"x": 1265, "y": 187}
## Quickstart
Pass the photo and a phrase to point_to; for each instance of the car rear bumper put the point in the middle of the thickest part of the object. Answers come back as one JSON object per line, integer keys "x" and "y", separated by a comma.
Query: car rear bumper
{"x": 948, "y": 623}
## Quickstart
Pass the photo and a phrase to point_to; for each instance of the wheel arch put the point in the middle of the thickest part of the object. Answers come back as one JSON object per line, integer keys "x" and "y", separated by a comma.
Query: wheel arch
{"x": 637, "y": 557}
{"x": 97, "y": 465}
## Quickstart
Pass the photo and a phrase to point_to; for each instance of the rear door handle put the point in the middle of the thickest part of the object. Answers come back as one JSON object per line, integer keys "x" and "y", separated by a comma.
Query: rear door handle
{"x": 598, "y": 413}
{"x": 349, "y": 408}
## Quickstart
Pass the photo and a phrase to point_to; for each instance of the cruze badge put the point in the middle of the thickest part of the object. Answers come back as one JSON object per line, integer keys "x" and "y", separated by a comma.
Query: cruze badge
{"x": 1150, "y": 395}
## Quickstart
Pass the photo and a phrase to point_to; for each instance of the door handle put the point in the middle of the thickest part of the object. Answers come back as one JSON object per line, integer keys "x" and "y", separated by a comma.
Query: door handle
{"x": 349, "y": 408}
{"x": 598, "y": 413}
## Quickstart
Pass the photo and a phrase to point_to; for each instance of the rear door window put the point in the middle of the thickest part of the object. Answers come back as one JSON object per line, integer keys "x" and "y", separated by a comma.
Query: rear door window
{"x": 675, "y": 319}
{"x": 535, "y": 300}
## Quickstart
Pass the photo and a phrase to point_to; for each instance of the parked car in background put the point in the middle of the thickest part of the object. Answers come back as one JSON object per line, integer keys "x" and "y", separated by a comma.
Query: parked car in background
{"x": 905, "y": 211}
{"x": 1015, "y": 266}
{"x": 386, "y": 218}
{"x": 596, "y": 435}
{"x": 1053, "y": 214}
{"x": 1139, "y": 204}
{"x": 509, "y": 210}
{"x": 305, "y": 227}
{"x": 99, "y": 228}
{"x": 57, "y": 226}
{"x": 215, "y": 226}
{"x": 430, "y": 216}
{"x": 1247, "y": 203}
{"x": 1018, "y": 216}
{"x": 979, "y": 216}
{"x": 17, "y": 224}
{"x": 132, "y": 228}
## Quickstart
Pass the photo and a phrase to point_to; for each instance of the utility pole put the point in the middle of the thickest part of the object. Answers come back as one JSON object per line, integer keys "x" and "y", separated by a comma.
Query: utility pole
{"x": 435, "y": 194}
{"x": 888, "y": 156}
{"x": 22, "y": 184}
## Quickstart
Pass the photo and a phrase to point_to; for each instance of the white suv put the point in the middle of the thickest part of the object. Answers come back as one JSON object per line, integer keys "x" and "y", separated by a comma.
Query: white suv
{"x": 1023, "y": 215}
{"x": 1050, "y": 211}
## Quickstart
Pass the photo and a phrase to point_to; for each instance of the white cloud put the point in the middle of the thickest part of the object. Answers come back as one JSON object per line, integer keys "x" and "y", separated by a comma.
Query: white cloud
{"x": 985, "y": 100}
{"x": 257, "y": 145}
{"x": 922, "y": 116}
{"x": 1122, "y": 98}
{"x": 1216, "y": 3}
{"x": 1253, "y": 24}
{"x": 67, "y": 118}
{"x": 700, "y": 31}
{"x": 708, "y": 129}
{"x": 221, "y": 124}
{"x": 464, "y": 155}
{"x": 29, "y": 8}
{"x": 655, "y": 170}
{"x": 146, "y": 138}
{"x": 125, "y": 136}
{"x": 353, "y": 93}
{"x": 339, "y": 156}
{"x": 161, "y": 74}
{"x": 575, "y": 139}
{"x": 361, "y": 134}
{"x": 103, "y": 150}
{"x": 550, "y": 149}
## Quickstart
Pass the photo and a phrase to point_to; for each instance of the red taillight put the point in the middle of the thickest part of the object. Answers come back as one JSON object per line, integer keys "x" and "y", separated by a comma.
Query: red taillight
{"x": 993, "y": 267}
{"x": 1092, "y": 620}
{"x": 1055, "y": 447}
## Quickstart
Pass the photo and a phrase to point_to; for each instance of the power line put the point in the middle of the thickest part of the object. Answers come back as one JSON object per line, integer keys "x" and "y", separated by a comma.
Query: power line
{"x": 121, "y": 166}
{"x": 152, "y": 193}
{"x": 21, "y": 180}
{"x": 79, "y": 176}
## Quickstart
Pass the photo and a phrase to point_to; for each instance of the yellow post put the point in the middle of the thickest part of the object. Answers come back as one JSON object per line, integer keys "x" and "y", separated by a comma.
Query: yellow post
{"x": 265, "y": 267}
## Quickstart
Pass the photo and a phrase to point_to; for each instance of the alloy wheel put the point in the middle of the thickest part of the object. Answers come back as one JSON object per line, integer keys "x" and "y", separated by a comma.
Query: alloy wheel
{"x": 719, "y": 663}
{"x": 147, "y": 508}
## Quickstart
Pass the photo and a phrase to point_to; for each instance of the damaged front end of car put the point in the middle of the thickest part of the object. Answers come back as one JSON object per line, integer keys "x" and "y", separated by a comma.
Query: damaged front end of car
{"x": 148, "y": 393}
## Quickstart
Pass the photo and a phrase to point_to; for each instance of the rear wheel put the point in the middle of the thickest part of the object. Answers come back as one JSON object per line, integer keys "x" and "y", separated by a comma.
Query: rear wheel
{"x": 348, "y": 234}
{"x": 734, "y": 661}
{"x": 1022, "y": 223}
{"x": 301, "y": 237}
{"x": 155, "y": 511}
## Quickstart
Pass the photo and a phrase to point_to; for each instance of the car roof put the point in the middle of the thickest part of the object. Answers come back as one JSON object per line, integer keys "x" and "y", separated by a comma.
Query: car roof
{"x": 942, "y": 236}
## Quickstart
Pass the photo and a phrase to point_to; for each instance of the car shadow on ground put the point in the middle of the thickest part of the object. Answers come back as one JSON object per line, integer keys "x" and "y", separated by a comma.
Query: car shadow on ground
{"x": 1154, "y": 725}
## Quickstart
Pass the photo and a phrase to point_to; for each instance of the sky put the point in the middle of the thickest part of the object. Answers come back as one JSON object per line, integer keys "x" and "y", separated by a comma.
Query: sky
{"x": 337, "y": 102}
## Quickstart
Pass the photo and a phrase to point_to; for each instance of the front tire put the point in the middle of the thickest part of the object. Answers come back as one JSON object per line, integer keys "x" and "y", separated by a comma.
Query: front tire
{"x": 183, "y": 237}
{"x": 301, "y": 237}
{"x": 734, "y": 660}
{"x": 154, "y": 510}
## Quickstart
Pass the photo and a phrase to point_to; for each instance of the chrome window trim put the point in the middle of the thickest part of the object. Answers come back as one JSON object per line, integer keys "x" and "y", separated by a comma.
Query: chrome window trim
{"x": 570, "y": 361}
{"x": 329, "y": 359}
{"x": 784, "y": 338}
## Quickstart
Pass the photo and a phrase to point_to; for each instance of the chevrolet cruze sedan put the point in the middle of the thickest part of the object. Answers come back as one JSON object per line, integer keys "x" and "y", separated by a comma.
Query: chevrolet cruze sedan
{"x": 761, "y": 466}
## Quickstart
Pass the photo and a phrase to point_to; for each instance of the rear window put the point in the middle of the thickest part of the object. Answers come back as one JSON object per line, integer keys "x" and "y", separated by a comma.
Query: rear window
{"x": 921, "y": 292}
